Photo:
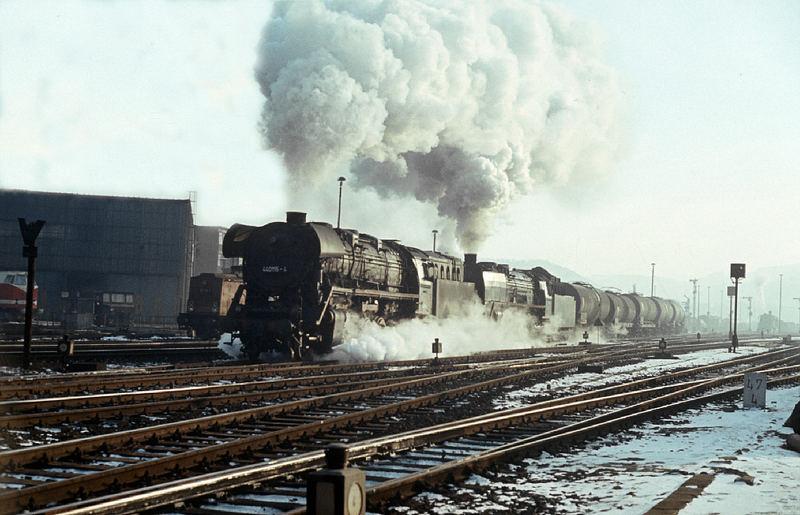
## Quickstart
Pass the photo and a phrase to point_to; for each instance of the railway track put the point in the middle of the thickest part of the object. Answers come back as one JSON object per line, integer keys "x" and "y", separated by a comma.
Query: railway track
{"x": 38, "y": 385}
{"x": 400, "y": 465}
{"x": 184, "y": 395}
{"x": 44, "y": 353}
{"x": 296, "y": 424}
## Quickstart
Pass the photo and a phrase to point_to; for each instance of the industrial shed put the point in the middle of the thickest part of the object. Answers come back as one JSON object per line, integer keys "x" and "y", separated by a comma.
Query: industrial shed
{"x": 135, "y": 253}
{"x": 208, "y": 258}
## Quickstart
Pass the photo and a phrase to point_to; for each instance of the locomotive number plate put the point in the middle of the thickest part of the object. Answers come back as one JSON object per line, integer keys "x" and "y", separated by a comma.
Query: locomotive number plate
{"x": 273, "y": 268}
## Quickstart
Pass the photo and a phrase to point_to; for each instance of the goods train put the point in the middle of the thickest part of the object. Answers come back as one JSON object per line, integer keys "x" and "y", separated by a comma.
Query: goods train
{"x": 13, "y": 290}
{"x": 302, "y": 280}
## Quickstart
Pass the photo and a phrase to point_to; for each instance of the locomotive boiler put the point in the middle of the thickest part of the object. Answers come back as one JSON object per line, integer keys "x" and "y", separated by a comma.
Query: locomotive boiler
{"x": 301, "y": 281}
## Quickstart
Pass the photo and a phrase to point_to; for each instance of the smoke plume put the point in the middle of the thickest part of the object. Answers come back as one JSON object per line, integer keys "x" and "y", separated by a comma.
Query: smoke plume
{"x": 466, "y": 105}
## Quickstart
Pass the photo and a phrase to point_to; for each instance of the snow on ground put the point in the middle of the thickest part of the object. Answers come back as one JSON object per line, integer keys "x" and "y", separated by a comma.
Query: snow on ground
{"x": 574, "y": 383}
{"x": 630, "y": 472}
{"x": 231, "y": 346}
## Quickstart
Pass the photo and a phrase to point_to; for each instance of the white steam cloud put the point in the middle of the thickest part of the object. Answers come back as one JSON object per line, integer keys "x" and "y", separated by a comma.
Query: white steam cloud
{"x": 463, "y": 104}
{"x": 463, "y": 335}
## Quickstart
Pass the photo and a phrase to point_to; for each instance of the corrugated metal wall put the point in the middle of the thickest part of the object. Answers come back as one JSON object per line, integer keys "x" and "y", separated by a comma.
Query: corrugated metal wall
{"x": 95, "y": 244}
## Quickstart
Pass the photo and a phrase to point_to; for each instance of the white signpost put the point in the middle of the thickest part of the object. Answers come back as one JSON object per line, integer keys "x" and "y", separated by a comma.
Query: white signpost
{"x": 755, "y": 390}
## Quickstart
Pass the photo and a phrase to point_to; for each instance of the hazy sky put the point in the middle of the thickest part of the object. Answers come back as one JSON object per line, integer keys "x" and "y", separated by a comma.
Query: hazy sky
{"x": 157, "y": 98}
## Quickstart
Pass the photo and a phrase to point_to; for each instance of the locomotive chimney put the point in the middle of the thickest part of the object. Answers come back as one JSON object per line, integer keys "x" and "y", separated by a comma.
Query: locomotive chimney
{"x": 295, "y": 218}
{"x": 471, "y": 268}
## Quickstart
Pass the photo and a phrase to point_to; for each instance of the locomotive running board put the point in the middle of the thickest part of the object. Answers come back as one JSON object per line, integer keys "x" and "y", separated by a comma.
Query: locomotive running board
{"x": 374, "y": 293}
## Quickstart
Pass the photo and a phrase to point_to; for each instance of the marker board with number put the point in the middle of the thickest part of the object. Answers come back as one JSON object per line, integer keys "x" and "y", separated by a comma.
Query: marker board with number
{"x": 755, "y": 390}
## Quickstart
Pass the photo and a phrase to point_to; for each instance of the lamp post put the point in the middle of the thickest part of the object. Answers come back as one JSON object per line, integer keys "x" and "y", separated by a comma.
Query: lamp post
{"x": 652, "y": 277}
{"x": 780, "y": 301}
{"x": 694, "y": 301}
{"x": 339, "y": 216}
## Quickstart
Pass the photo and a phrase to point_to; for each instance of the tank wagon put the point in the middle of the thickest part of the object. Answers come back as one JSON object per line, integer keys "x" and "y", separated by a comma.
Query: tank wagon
{"x": 13, "y": 290}
{"x": 302, "y": 280}
{"x": 571, "y": 305}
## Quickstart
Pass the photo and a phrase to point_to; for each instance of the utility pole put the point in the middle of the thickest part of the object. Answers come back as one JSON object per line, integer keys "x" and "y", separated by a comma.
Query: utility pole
{"x": 749, "y": 313}
{"x": 780, "y": 302}
{"x": 694, "y": 301}
{"x": 339, "y": 216}
{"x": 652, "y": 277}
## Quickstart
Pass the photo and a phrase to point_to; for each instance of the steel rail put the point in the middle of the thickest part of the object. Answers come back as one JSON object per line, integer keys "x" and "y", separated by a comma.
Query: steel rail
{"x": 44, "y": 453}
{"x": 409, "y": 485}
{"x": 76, "y": 384}
{"x": 61, "y": 488}
{"x": 209, "y": 484}
{"x": 71, "y": 384}
{"x": 77, "y": 447}
{"x": 102, "y": 480}
{"x": 37, "y": 385}
{"x": 120, "y": 398}
{"x": 222, "y": 396}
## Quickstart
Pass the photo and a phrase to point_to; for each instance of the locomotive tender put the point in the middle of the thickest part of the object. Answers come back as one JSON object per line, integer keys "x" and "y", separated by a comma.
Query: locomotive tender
{"x": 302, "y": 280}
{"x": 210, "y": 295}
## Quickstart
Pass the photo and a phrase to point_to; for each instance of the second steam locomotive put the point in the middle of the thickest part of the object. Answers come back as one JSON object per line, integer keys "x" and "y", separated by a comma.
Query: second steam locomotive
{"x": 302, "y": 280}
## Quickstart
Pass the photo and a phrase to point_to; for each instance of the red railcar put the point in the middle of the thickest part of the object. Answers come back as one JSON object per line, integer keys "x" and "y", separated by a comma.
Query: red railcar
{"x": 13, "y": 288}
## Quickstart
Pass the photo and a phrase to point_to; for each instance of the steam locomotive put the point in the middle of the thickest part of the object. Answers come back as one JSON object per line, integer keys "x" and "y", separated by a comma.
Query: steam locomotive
{"x": 302, "y": 280}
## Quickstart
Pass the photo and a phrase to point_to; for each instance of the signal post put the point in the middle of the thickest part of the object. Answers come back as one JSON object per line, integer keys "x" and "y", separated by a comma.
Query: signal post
{"x": 737, "y": 272}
